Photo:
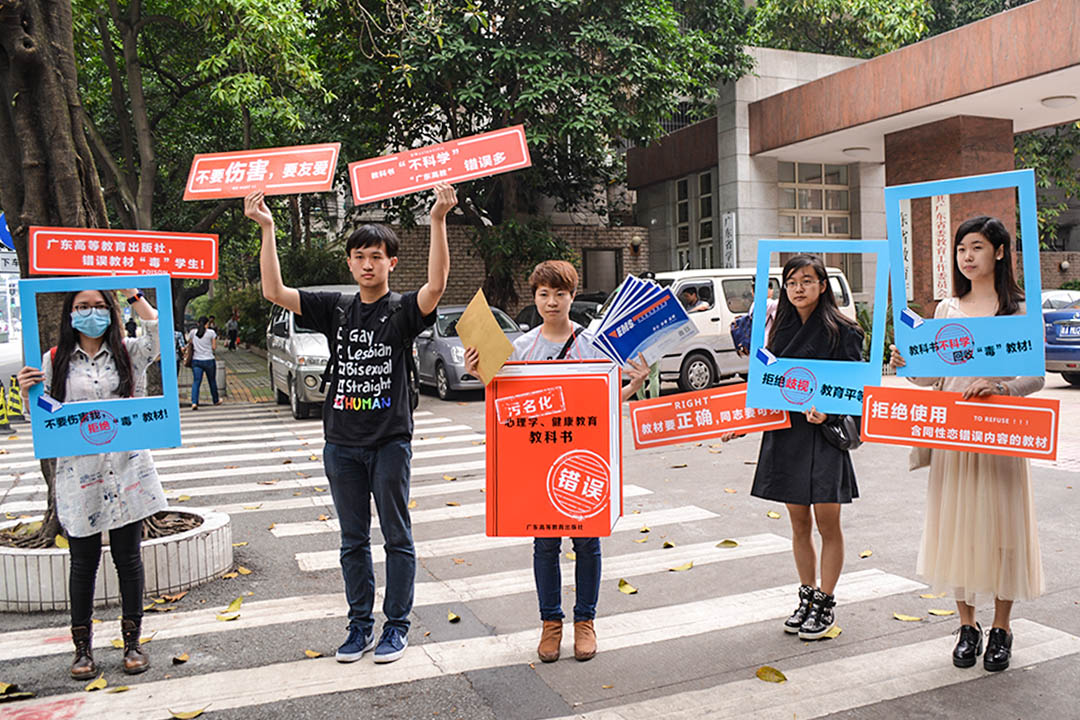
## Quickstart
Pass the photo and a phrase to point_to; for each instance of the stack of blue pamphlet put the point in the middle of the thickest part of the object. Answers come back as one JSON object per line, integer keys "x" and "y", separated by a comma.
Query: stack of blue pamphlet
{"x": 645, "y": 318}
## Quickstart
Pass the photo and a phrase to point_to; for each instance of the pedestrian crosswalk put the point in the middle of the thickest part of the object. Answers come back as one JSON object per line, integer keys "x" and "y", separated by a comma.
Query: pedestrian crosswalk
{"x": 265, "y": 470}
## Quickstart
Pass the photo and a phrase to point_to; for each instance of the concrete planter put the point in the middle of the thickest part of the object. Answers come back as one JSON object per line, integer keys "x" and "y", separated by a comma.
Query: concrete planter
{"x": 37, "y": 580}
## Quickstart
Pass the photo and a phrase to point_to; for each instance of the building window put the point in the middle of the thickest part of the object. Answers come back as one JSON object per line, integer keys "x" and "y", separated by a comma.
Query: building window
{"x": 682, "y": 258}
{"x": 705, "y": 254}
{"x": 682, "y": 221}
{"x": 814, "y": 200}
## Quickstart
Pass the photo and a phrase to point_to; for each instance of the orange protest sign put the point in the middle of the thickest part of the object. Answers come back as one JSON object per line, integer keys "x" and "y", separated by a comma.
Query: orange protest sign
{"x": 78, "y": 251}
{"x": 407, "y": 172}
{"x": 275, "y": 171}
{"x": 998, "y": 425}
{"x": 554, "y": 450}
{"x": 698, "y": 415}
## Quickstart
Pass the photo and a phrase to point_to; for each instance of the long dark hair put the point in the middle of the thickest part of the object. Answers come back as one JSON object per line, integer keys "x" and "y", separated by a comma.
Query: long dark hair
{"x": 114, "y": 339}
{"x": 1009, "y": 293}
{"x": 202, "y": 326}
{"x": 831, "y": 317}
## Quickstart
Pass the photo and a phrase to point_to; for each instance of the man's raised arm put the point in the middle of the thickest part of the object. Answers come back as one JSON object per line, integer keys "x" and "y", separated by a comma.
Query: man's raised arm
{"x": 273, "y": 288}
{"x": 439, "y": 253}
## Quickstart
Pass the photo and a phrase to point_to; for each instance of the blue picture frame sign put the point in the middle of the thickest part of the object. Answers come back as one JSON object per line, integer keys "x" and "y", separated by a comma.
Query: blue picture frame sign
{"x": 99, "y": 426}
{"x": 969, "y": 347}
{"x": 798, "y": 384}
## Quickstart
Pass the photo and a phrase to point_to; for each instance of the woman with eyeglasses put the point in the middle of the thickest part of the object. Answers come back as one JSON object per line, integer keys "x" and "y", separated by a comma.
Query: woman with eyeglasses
{"x": 110, "y": 492}
{"x": 798, "y": 466}
{"x": 980, "y": 536}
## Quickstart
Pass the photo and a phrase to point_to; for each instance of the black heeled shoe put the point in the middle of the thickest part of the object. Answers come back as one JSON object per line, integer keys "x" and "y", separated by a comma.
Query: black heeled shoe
{"x": 968, "y": 647}
{"x": 998, "y": 650}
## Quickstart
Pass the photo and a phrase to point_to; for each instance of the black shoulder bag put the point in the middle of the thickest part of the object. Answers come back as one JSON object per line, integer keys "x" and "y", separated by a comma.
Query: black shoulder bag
{"x": 567, "y": 346}
{"x": 843, "y": 434}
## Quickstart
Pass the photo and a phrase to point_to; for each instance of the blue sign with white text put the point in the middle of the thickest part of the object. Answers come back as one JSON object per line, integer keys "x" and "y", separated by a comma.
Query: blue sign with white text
{"x": 99, "y": 426}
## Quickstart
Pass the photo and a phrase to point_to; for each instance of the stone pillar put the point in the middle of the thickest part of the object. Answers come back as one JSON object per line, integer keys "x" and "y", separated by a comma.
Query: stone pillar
{"x": 956, "y": 147}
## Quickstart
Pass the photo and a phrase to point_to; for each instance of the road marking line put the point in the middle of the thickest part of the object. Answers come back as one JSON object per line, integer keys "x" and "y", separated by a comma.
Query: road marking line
{"x": 642, "y": 627}
{"x": 824, "y": 688}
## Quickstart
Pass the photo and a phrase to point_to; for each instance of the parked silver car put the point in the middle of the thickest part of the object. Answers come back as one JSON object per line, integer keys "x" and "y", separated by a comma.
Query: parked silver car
{"x": 441, "y": 356}
{"x": 296, "y": 358}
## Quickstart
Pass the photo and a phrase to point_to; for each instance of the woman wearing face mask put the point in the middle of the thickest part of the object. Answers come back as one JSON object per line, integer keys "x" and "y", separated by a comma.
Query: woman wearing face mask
{"x": 798, "y": 466}
{"x": 980, "y": 536}
{"x": 111, "y": 492}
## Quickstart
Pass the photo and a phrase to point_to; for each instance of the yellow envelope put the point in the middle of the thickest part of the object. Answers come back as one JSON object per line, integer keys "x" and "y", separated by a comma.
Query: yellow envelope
{"x": 478, "y": 328}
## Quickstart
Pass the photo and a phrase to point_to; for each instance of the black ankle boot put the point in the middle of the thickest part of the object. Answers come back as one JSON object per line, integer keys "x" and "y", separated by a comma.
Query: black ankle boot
{"x": 968, "y": 647}
{"x": 793, "y": 623}
{"x": 820, "y": 619}
{"x": 998, "y": 650}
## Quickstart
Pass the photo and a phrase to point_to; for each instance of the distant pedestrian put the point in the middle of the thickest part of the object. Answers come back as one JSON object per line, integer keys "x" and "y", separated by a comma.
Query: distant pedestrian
{"x": 109, "y": 492}
{"x": 233, "y": 329}
{"x": 203, "y": 342}
{"x": 131, "y": 327}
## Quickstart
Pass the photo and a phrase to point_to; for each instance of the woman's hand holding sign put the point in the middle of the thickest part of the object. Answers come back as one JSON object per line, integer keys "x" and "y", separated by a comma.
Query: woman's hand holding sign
{"x": 639, "y": 373}
{"x": 472, "y": 361}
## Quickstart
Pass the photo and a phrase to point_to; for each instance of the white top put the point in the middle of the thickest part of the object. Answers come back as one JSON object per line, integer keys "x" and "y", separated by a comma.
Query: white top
{"x": 202, "y": 347}
{"x": 97, "y": 493}
{"x": 534, "y": 346}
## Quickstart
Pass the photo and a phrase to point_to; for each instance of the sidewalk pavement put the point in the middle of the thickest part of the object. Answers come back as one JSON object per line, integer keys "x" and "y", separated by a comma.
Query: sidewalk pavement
{"x": 246, "y": 378}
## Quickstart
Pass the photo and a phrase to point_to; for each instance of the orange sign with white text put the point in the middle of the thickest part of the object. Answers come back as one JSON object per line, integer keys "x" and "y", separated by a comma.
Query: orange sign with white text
{"x": 275, "y": 171}
{"x": 710, "y": 413}
{"x": 554, "y": 447}
{"x": 79, "y": 251}
{"x": 998, "y": 425}
{"x": 469, "y": 158}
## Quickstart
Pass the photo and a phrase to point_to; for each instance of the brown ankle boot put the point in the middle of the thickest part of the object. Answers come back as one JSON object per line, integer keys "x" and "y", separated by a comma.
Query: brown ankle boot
{"x": 84, "y": 667}
{"x": 135, "y": 660}
{"x": 550, "y": 640}
{"x": 584, "y": 640}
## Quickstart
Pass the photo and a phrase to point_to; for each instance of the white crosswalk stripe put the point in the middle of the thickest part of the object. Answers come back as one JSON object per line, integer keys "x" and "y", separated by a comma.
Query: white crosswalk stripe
{"x": 229, "y": 464}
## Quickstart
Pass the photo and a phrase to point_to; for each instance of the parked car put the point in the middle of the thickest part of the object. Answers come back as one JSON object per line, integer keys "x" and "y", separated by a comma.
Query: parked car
{"x": 1056, "y": 299}
{"x": 296, "y": 358}
{"x": 582, "y": 312}
{"x": 710, "y": 355}
{"x": 440, "y": 354}
{"x": 1063, "y": 342}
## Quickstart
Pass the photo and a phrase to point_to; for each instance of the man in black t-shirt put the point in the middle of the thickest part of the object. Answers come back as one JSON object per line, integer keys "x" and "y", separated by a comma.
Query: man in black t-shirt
{"x": 367, "y": 415}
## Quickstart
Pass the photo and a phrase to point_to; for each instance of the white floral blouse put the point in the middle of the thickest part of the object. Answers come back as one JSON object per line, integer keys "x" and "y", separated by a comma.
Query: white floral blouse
{"x": 97, "y": 493}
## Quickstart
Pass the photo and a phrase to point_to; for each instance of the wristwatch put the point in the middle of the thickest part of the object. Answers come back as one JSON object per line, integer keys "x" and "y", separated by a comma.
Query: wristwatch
{"x": 136, "y": 297}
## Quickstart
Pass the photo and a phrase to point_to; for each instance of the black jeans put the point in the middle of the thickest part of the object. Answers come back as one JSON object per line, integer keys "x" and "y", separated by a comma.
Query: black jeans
{"x": 126, "y": 546}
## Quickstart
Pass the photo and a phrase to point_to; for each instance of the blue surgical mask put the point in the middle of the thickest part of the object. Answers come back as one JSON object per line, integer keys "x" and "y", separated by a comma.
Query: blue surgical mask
{"x": 92, "y": 322}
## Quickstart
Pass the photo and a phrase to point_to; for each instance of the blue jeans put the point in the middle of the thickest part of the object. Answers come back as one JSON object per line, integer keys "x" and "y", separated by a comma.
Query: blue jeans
{"x": 357, "y": 474}
{"x": 198, "y": 367}
{"x": 549, "y": 579}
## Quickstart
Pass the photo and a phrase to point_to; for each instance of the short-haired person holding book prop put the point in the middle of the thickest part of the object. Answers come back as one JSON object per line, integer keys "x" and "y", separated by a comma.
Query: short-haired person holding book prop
{"x": 367, "y": 415}
{"x": 554, "y": 284}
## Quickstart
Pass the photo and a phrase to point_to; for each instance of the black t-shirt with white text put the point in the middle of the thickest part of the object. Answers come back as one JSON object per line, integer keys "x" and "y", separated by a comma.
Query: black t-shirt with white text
{"x": 367, "y": 396}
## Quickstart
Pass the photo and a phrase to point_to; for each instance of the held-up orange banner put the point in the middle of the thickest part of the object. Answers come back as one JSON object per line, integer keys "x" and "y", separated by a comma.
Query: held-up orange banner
{"x": 554, "y": 447}
{"x": 675, "y": 419}
{"x": 489, "y": 153}
{"x": 78, "y": 251}
{"x": 275, "y": 171}
{"x": 998, "y": 425}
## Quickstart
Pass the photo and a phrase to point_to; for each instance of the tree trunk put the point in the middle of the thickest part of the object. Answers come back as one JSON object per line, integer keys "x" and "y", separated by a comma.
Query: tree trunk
{"x": 48, "y": 175}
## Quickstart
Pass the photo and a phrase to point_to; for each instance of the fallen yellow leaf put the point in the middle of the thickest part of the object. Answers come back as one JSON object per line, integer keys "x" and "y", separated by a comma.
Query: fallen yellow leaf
{"x": 242, "y": 570}
{"x": 61, "y": 542}
{"x": 866, "y": 553}
{"x": 175, "y": 597}
{"x": 95, "y": 621}
{"x": 287, "y": 462}
{"x": 180, "y": 659}
{"x": 272, "y": 526}
{"x": 319, "y": 489}
{"x": 770, "y": 674}
{"x": 626, "y": 588}
{"x": 906, "y": 618}
{"x": 730, "y": 491}
{"x": 240, "y": 544}
{"x": 459, "y": 561}
{"x": 99, "y": 684}
{"x": 644, "y": 539}
{"x": 571, "y": 555}
{"x": 253, "y": 507}
{"x": 313, "y": 457}
{"x": 159, "y": 600}
{"x": 727, "y": 544}
{"x": 268, "y": 482}
{"x": 715, "y": 451}
{"x": 183, "y": 498}
{"x": 118, "y": 689}
{"x": 235, "y": 605}
{"x": 773, "y": 514}
{"x": 452, "y": 617}
{"x": 644, "y": 529}
{"x": 324, "y": 517}
{"x": 931, "y": 596}
{"x": 833, "y": 633}
{"x": 941, "y": 613}
{"x": 229, "y": 575}
{"x": 449, "y": 478}
{"x": 412, "y": 504}
{"x": 453, "y": 504}
{"x": 148, "y": 606}
{"x": 668, "y": 544}
{"x": 682, "y": 568}
{"x": 679, "y": 465}
{"x": 188, "y": 714}
{"x": 606, "y": 687}
{"x": 226, "y": 618}
{"x": 313, "y": 653}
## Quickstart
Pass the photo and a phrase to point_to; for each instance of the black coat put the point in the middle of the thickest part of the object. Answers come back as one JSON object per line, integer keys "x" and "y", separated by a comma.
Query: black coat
{"x": 798, "y": 465}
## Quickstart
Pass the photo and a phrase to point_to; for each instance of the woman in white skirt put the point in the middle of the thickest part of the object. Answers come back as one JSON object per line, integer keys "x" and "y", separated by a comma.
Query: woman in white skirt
{"x": 980, "y": 536}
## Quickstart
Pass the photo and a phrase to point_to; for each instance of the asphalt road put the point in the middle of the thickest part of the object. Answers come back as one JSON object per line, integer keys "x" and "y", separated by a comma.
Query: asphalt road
{"x": 687, "y": 645}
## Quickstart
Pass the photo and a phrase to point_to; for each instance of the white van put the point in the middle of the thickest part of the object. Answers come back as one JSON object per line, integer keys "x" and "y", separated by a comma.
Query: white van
{"x": 710, "y": 355}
